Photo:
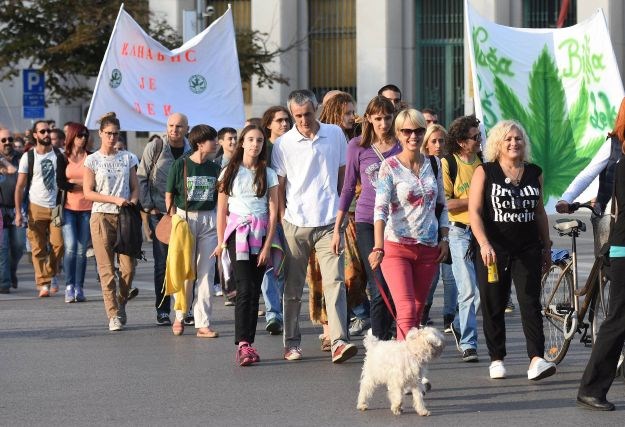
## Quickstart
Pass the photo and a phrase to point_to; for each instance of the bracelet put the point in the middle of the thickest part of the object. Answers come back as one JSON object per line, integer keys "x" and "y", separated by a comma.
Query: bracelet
{"x": 224, "y": 246}
{"x": 380, "y": 250}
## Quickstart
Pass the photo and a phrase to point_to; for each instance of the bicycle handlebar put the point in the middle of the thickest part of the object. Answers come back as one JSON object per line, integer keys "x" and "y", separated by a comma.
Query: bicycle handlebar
{"x": 575, "y": 206}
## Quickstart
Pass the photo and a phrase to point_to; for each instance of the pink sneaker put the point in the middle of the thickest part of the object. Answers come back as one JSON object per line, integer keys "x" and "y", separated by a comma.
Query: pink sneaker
{"x": 293, "y": 353}
{"x": 244, "y": 356}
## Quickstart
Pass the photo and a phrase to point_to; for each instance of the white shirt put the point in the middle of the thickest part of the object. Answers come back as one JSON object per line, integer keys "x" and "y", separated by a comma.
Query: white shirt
{"x": 311, "y": 168}
{"x": 112, "y": 177}
{"x": 583, "y": 179}
{"x": 243, "y": 200}
{"x": 43, "y": 188}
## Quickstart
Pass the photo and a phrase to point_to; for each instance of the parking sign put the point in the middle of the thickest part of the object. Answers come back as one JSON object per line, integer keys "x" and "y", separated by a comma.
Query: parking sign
{"x": 33, "y": 100}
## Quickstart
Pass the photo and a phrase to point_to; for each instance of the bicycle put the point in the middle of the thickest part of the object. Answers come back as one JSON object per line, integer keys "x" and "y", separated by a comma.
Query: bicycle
{"x": 563, "y": 315}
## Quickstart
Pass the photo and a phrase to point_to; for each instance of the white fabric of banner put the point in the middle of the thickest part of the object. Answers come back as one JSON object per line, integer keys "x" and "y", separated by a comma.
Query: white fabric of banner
{"x": 143, "y": 82}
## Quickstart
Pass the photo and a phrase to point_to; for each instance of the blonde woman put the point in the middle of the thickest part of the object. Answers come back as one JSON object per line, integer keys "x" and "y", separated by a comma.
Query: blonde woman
{"x": 510, "y": 225}
{"x": 434, "y": 145}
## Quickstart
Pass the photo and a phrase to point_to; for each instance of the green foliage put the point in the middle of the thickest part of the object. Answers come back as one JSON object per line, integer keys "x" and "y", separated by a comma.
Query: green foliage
{"x": 555, "y": 136}
{"x": 253, "y": 57}
{"x": 66, "y": 39}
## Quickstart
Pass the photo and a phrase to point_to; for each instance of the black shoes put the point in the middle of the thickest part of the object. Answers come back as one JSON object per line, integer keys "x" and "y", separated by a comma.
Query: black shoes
{"x": 274, "y": 327}
{"x": 162, "y": 319}
{"x": 456, "y": 334}
{"x": 470, "y": 355}
{"x": 594, "y": 403}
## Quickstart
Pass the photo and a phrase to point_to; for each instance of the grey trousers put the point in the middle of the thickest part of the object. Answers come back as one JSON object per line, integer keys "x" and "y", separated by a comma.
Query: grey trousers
{"x": 299, "y": 243}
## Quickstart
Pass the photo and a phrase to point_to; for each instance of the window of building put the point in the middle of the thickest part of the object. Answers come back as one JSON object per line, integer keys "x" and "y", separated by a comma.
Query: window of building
{"x": 545, "y": 13}
{"x": 439, "y": 69}
{"x": 332, "y": 44}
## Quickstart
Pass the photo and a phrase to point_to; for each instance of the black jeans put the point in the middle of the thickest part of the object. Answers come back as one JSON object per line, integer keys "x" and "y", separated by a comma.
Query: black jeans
{"x": 381, "y": 318}
{"x": 159, "y": 251}
{"x": 248, "y": 278}
{"x": 525, "y": 269}
{"x": 601, "y": 367}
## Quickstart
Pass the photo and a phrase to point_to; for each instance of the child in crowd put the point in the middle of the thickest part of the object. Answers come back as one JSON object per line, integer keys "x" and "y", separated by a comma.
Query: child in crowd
{"x": 246, "y": 224}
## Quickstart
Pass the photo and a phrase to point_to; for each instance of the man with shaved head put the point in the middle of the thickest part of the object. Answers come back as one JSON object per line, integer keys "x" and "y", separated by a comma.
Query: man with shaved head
{"x": 157, "y": 159}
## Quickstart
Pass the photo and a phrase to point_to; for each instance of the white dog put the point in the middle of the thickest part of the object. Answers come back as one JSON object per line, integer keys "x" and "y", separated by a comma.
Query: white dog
{"x": 400, "y": 365}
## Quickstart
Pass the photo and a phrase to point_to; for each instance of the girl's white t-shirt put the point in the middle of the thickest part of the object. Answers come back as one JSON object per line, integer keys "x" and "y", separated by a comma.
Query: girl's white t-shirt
{"x": 243, "y": 200}
{"x": 112, "y": 177}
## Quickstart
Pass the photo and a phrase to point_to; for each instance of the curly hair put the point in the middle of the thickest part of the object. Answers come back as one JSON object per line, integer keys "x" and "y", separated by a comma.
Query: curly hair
{"x": 458, "y": 131}
{"x": 333, "y": 109}
{"x": 496, "y": 138}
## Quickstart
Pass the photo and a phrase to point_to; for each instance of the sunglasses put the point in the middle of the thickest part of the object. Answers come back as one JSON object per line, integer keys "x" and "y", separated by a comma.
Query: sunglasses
{"x": 408, "y": 132}
{"x": 477, "y": 137}
{"x": 83, "y": 135}
{"x": 5, "y": 140}
{"x": 43, "y": 131}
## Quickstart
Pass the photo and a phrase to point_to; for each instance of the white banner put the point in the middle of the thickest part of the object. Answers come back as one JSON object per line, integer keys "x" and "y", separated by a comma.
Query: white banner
{"x": 144, "y": 82}
{"x": 562, "y": 85}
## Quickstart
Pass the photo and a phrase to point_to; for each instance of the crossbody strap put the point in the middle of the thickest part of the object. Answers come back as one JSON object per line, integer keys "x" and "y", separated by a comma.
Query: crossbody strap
{"x": 184, "y": 183}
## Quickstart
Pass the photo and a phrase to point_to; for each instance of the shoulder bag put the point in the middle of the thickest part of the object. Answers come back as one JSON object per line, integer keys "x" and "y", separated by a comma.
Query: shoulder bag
{"x": 163, "y": 228}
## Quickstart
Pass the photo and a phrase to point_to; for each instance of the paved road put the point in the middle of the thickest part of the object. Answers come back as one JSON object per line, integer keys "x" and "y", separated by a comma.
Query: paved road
{"x": 59, "y": 366}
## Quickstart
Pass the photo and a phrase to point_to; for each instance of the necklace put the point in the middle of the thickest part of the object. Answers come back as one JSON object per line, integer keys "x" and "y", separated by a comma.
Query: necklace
{"x": 514, "y": 181}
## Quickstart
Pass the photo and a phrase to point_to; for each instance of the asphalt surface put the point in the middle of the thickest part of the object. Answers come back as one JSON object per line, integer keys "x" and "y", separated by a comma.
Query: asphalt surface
{"x": 60, "y": 366}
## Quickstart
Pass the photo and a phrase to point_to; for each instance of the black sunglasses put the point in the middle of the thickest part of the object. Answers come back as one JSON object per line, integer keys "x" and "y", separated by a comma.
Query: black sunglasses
{"x": 9, "y": 139}
{"x": 42, "y": 131}
{"x": 83, "y": 135}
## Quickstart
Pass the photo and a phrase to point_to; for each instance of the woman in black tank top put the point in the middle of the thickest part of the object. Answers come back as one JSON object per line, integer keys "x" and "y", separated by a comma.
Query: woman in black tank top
{"x": 509, "y": 222}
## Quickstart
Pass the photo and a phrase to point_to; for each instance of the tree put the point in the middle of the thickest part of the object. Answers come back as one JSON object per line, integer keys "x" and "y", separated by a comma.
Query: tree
{"x": 67, "y": 39}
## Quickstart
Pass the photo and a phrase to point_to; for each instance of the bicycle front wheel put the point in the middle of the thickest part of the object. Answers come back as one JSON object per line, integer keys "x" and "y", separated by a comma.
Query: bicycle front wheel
{"x": 557, "y": 308}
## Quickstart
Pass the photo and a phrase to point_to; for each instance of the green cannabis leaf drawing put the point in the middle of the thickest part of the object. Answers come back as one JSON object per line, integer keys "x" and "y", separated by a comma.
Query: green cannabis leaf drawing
{"x": 555, "y": 136}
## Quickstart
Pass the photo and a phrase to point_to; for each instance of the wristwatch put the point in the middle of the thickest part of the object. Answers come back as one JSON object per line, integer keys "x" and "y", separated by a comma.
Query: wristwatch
{"x": 445, "y": 239}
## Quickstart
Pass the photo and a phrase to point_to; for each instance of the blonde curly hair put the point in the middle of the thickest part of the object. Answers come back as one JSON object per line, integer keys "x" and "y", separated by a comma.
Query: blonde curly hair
{"x": 496, "y": 137}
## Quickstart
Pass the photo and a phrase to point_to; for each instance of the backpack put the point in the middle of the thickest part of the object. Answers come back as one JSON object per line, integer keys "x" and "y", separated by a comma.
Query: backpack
{"x": 453, "y": 170}
{"x": 157, "y": 153}
{"x": 129, "y": 237}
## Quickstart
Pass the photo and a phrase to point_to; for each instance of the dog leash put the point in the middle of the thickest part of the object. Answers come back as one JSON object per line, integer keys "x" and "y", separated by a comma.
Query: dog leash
{"x": 386, "y": 300}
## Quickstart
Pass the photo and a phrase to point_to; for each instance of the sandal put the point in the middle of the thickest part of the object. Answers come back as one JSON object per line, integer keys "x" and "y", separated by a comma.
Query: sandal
{"x": 207, "y": 333}
{"x": 178, "y": 327}
{"x": 326, "y": 344}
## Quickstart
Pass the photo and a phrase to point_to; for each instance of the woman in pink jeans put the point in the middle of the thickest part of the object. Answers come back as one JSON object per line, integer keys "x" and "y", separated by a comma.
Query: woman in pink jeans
{"x": 406, "y": 224}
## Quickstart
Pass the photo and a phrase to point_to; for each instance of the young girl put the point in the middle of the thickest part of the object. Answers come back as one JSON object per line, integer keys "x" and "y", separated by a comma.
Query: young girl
{"x": 246, "y": 224}
{"x": 110, "y": 181}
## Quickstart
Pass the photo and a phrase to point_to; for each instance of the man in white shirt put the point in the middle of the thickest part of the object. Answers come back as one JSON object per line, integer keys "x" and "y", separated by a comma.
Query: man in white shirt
{"x": 310, "y": 162}
{"x": 46, "y": 239}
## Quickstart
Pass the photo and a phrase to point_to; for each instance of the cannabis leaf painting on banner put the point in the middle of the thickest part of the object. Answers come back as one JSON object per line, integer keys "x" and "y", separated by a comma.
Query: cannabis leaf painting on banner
{"x": 562, "y": 85}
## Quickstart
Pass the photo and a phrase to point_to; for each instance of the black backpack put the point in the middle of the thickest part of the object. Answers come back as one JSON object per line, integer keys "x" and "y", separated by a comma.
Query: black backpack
{"x": 129, "y": 232}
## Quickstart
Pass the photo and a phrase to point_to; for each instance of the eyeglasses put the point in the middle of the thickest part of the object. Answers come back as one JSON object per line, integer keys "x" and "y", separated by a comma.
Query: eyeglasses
{"x": 477, "y": 137}
{"x": 7, "y": 140}
{"x": 111, "y": 134}
{"x": 83, "y": 135}
{"x": 408, "y": 132}
{"x": 43, "y": 131}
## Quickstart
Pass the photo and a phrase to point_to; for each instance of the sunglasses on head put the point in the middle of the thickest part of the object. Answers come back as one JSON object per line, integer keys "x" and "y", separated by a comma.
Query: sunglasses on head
{"x": 5, "y": 140}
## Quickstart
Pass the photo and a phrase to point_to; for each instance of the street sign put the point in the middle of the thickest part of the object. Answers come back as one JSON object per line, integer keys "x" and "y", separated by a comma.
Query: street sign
{"x": 33, "y": 100}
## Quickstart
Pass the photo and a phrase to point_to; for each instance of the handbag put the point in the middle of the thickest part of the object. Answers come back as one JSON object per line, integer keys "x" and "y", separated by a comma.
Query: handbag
{"x": 163, "y": 228}
{"x": 58, "y": 212}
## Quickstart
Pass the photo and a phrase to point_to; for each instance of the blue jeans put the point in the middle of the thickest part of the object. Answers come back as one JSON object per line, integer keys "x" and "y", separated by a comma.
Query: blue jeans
{"x": 11, "y": 251}
{"x": 76, "y": 237}
{"x": 159, "y": 251}
{"x": 272, "y": 288}
{"x": 381, "y": 317}
{"x": 450, "y": 293}
{"x": 466, "y": 282}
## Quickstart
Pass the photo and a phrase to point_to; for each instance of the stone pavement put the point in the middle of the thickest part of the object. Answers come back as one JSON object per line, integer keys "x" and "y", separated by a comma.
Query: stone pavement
{"x": 60, "y": 366}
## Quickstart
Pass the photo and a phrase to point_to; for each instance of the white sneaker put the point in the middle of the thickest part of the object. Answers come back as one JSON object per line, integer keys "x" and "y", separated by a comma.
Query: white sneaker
{"x": 497, "y": 370}
{"x": 217, "y": 290}
{"x": 541, "y": 369}
{"x": 115, "y": 324}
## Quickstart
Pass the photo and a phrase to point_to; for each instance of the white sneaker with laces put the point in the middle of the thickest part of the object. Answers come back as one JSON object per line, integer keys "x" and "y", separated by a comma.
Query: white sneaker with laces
{"x": 497, "y": 370}
{"x": 541, "y": 369}
{"x": 115, "y": 324}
